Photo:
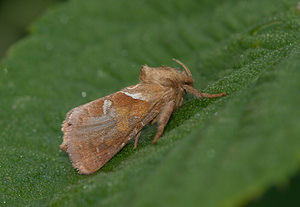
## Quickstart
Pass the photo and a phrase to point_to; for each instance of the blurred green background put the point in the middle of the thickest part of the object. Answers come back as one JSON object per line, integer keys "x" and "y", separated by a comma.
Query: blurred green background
{"x": 15, "y": 16}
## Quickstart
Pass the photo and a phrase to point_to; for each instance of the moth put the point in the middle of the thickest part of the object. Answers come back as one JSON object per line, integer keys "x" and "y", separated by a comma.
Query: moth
{"x": 96, "y": 131}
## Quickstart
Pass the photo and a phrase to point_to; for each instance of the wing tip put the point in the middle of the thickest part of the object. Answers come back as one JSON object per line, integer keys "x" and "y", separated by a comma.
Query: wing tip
{"x": 84, "y": 171}
{"x": 84, "y": 168}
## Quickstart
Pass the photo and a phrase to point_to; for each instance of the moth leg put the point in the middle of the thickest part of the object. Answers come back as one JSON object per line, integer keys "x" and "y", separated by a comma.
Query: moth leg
{"x": 163, "y": 119}
{"x": 198, "y": 94}
{"x": 136, "y": 140}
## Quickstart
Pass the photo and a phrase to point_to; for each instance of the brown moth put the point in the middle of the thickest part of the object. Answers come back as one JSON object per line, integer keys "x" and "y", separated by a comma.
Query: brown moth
{"x": 96, "y": 131}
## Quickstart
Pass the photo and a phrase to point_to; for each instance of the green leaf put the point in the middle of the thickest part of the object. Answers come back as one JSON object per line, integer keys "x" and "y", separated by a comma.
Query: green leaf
{"x": 222, "y": 152}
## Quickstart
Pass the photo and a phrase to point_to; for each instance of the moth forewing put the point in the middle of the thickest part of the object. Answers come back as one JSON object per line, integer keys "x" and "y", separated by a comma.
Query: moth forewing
{"x": 96, "y": 131}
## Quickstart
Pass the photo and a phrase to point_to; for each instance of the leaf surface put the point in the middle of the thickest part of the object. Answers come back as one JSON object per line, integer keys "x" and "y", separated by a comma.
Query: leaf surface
{"x": 222, "y": 152}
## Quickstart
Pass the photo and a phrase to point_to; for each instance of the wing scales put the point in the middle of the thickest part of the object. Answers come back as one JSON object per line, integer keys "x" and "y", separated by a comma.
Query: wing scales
{"x": 96, "y": 131}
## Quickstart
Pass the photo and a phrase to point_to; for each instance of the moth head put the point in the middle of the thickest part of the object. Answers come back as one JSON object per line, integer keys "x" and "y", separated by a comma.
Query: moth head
{"x": 167, "y": 76}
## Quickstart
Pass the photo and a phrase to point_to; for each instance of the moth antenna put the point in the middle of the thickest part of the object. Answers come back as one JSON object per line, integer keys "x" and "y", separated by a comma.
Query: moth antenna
{"x": 188, "y": 72}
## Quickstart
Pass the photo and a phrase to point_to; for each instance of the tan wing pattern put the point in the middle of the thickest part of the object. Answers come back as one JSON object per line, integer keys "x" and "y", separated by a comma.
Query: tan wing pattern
{"x": 96, "y": 131}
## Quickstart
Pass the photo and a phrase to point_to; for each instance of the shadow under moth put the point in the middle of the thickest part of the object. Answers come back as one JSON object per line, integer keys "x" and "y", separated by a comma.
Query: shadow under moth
{"x": 96, "y": 131}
